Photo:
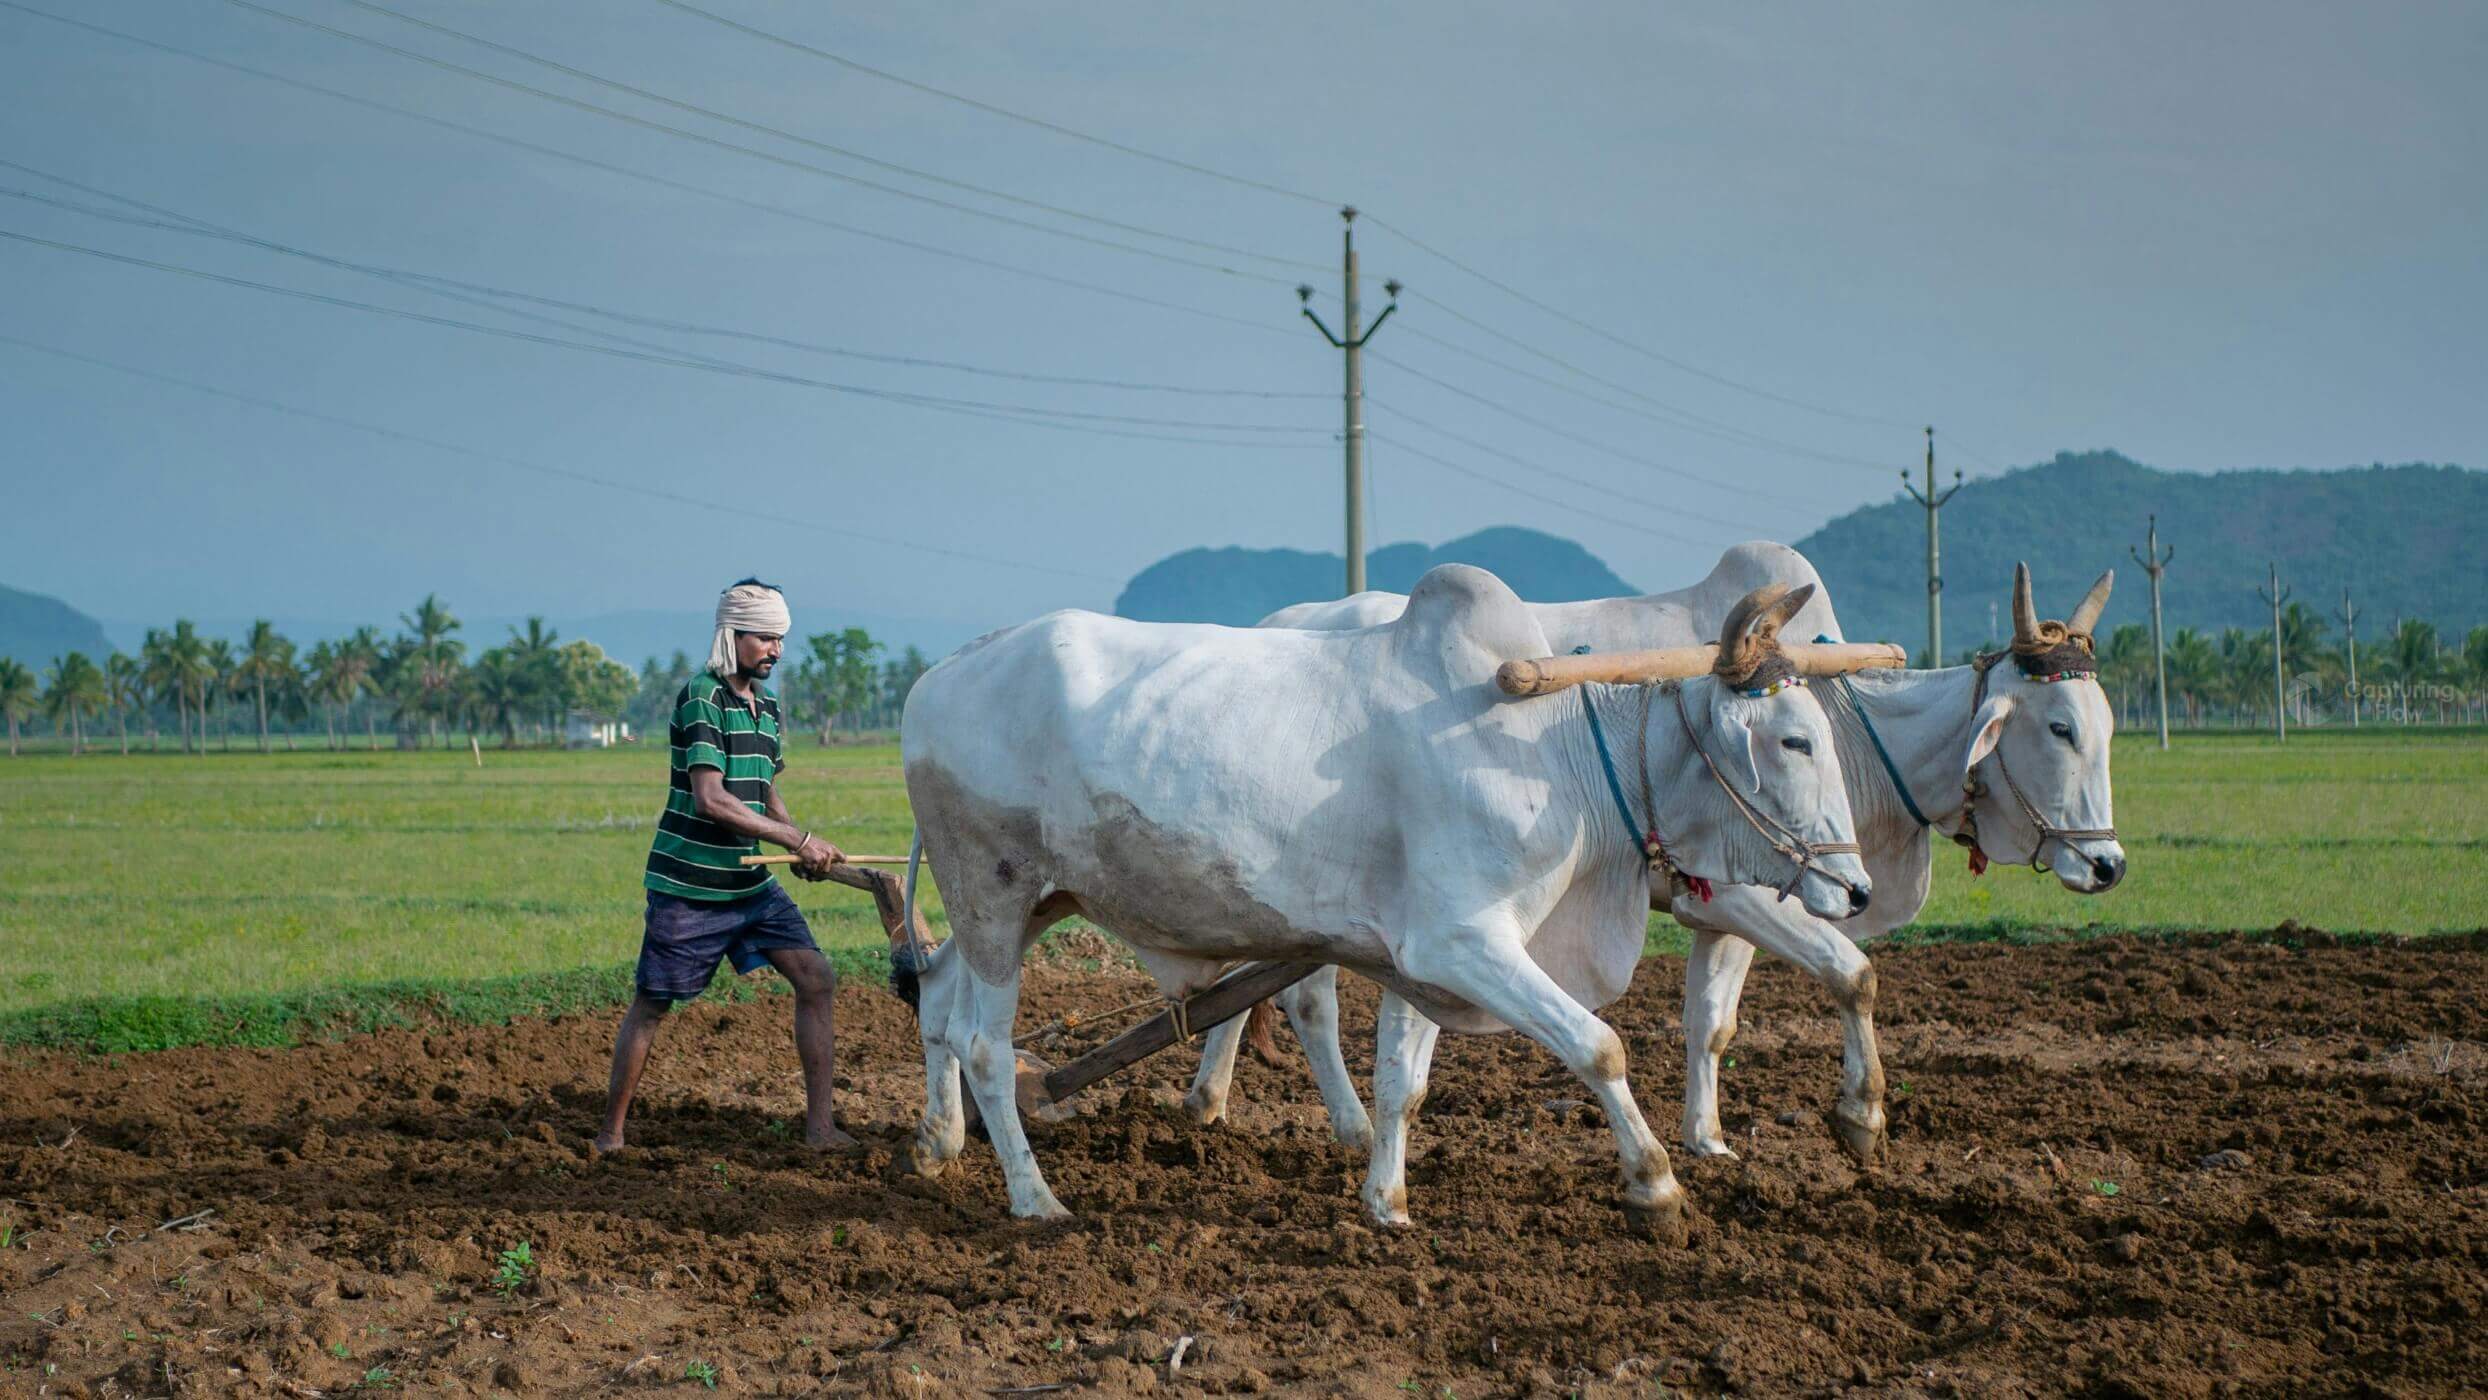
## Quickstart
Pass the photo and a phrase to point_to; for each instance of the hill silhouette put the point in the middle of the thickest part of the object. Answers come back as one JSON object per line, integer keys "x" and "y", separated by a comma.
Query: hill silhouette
{"x": 2404, "y": 539}
{"x": 34, "y": 629}
{"x": 1239, "y": 587}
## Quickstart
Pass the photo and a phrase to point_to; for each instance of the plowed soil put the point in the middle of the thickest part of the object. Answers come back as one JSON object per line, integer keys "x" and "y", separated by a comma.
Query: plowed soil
{"x": 2213, "y": 1166}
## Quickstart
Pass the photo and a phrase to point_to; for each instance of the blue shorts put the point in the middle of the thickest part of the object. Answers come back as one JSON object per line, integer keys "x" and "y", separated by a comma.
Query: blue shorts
{"x": 687, "y": 938}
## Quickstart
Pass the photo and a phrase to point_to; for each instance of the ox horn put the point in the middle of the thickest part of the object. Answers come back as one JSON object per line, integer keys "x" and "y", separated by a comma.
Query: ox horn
{"x": 2025, "y": 613}
{"x": 2086, "y": 617}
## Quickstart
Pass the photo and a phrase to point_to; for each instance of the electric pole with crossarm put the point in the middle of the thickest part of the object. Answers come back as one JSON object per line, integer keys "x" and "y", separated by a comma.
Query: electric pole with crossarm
{"x": 1351, "y": 343}
{"x": 2156, "y": 564}
{"x": 1933, "y": 500}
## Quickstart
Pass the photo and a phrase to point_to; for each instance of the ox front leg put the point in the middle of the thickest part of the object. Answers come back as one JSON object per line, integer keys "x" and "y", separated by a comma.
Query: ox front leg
{"x": 993, "y": 1073}
{"x": 1827, "y": 956}
{"x": 1714, "y": 978}
{"x": 1491, "y": 969}
{"x": 1312, "y": 1007}
{"x": 1403, "y": 1055}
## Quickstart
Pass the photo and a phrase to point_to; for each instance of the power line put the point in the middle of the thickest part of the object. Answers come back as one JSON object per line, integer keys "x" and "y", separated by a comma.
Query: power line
{"x": 740, "y": 513}
{"x": 1693, "y": 422}
{"x": 1543, "y": 426}
{"x": 1038, "y": 122}
{"x": 753, "y": 151}
{"x": 422, "y": 281}
{"x": 1670, "y": 507}
{"x": 1020, "y": 413}
{"x": 1669, "y": 360}
{"x": 782, "y": 134}
{"x": 1603, "y": 517}
{"x": 662, "y": 182}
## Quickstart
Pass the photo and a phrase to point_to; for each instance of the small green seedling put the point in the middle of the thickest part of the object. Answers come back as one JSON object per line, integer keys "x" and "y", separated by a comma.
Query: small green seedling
{"x": 378, "y": 1378}
{"x": 339, "y": 1350}
{"x": 517, "y": 1265}
{"x": 700, "y": 1371}
{"x": 2106, "y": 1188}
{"x": 1056, "y": 1344}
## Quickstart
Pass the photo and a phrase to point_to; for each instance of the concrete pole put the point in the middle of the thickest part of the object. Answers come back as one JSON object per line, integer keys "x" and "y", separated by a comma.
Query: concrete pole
{"x": 2349, "y": 629}
{"x": 1933, "y": 501}
{"x": 2280, "y": 710}
{"x": 2155, "y": 563}
{"x": 1351, "y": 343}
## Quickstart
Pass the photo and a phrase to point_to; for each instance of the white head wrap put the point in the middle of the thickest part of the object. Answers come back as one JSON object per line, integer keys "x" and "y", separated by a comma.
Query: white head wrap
{"x": 746, "y": 607}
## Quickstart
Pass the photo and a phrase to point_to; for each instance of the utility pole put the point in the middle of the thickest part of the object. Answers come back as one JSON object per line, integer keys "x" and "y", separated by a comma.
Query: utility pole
{"x": 1351, "y": 343}
{"x": 2277, "y": 596}
{"x": 2349, "y": 629}
{"x": 1933, "y": 501}
{"x": 2155, "y": 564}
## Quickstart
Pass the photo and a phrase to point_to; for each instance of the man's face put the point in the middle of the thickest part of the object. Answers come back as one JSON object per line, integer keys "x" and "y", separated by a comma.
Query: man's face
{"x": 756, "y": 653}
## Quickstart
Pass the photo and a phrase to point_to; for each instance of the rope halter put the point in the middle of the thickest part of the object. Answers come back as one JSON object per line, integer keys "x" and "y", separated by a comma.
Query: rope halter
{"x": 2067, "y": 659}
{"x": 1802, "y": 855}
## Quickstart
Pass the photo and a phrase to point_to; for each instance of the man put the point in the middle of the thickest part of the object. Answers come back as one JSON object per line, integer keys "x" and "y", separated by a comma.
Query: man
{"x": 704, "y": 905}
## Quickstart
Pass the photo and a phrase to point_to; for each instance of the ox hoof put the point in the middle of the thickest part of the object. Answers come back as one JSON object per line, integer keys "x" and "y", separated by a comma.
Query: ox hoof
{"x": 924, "y": 1161}
{"x": 1662, "y": 1221}
{"x": 1388, "y": 1208}
{"x": 1204, "y": 1109}
{"x": 1860, "y": 1128}
{"x": 1712, "y": 1146}
{"x": 1043, "y": 1209}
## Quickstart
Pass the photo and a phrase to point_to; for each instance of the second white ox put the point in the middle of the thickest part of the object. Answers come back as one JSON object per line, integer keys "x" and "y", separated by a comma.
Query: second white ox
{"x": 1364, "y": 798}
{"x": 2012, "y": 756}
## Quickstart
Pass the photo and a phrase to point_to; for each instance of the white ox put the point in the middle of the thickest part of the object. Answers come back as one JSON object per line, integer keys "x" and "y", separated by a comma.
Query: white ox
{"x": 1940, "y": 731}
{"x": 1362, "y": 797}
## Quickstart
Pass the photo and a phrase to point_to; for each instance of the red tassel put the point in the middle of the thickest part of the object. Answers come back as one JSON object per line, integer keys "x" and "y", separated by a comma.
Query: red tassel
{"x": 1978, "y": 862}
{"x": 1701, "y": 888}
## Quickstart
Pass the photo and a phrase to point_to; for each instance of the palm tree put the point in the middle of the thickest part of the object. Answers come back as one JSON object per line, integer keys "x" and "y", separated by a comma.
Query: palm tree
{"x": 162, "y": 677}
{"x": 266, "y": 656}
{"x": 225, "y": 681}
{"x": 76, "y": 691}
{"x": 536, "y": 653}
{"x": 125, "y": 689}
{"x": 2475, "y": 655}
{"x": 358, "y": 673}
{"x": 2125, "y": 663}
{"x": 198, "y": 662}
{"x": 17, "y": 696}
{"x": 2193, "y": 670}
{"x": 501, "y": 691}
{"x": 2411, "y": 658}
{"x": 434, "y": 660}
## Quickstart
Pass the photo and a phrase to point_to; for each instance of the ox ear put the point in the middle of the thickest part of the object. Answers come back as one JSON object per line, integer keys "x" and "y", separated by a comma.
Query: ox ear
{"x": 1737, "y": 759}
{"x": 1986, "y": 731}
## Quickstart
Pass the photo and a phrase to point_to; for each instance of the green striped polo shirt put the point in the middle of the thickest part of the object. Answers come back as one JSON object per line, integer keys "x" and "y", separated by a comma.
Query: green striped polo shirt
{"x": 693, "y": 857}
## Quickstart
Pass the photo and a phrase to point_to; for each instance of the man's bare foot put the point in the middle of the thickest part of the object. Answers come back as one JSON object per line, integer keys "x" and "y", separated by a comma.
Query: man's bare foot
{"x": 604, "y": 1144}
{"x": 834, "y": 1140}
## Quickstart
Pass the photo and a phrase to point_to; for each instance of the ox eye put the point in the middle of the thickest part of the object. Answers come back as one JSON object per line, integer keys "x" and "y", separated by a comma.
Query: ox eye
{"x": 2061, "y": 730}
{"x": 1799, "y": 745}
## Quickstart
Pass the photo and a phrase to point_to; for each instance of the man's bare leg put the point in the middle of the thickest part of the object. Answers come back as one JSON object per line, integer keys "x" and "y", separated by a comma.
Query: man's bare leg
{"x": 816, "y": 1041}
{"x": 630, "y": 1056}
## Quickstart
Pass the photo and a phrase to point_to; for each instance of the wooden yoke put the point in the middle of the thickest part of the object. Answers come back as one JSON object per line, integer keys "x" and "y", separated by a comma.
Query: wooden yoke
{"x": 1548, "y": 674}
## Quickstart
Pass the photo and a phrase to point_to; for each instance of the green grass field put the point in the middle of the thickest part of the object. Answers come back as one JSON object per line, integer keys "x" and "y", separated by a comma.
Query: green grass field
{"x": 242, "y": 876}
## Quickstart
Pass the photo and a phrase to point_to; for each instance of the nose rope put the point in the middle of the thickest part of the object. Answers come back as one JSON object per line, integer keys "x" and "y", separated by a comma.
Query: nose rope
{"x": 1972, "y": 789}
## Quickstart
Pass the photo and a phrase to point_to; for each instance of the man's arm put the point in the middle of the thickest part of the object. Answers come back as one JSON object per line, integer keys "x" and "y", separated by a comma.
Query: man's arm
{"x": 708, "y": 792}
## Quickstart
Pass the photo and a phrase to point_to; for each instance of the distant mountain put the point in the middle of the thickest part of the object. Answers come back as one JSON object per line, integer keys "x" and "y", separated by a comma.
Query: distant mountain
{"x": 2406, "y": 540}
{"x": 1239, "y": 587}
{"x": 34, "y": 629}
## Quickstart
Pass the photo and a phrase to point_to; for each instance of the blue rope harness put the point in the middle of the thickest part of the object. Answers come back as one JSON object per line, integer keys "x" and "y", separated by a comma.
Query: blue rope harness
{"x": 1653, "y": 849}
{"x": 1890, "y": 769}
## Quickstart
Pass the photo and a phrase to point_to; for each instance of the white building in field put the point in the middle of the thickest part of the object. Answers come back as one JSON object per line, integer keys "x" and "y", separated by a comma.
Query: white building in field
{"x": 581, "y": 730}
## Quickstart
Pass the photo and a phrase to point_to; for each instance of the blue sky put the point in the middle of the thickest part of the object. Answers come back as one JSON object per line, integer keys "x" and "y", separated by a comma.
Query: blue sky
{"x": 2213, "y": 236}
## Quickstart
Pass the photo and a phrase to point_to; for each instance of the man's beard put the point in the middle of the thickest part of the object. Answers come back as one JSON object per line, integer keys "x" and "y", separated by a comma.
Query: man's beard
{"x": 759, "y": 670}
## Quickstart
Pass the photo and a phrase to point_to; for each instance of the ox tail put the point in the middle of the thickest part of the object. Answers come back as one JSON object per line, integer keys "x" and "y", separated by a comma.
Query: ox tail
{"x": 907, "y": 961}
